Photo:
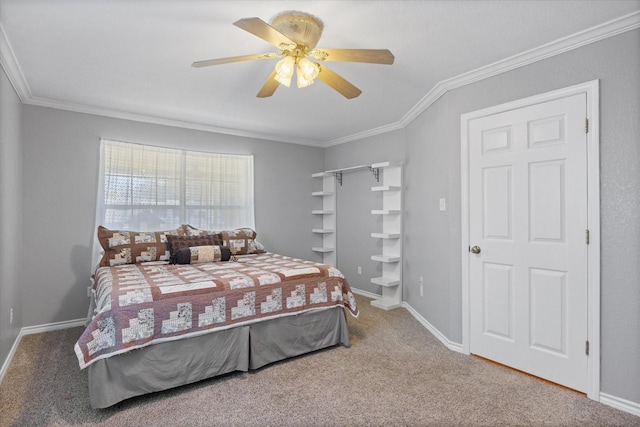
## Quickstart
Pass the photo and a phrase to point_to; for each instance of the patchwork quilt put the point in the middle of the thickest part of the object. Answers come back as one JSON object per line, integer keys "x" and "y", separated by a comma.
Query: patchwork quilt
{"x": 141, "y": 304}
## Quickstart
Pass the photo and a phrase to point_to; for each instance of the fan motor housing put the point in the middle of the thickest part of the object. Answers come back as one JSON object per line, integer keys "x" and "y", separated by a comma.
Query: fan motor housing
{"x": 302, "y": 28}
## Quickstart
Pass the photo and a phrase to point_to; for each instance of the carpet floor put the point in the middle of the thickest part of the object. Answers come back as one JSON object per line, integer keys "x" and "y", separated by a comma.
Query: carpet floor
{"x": 394, "y": 374}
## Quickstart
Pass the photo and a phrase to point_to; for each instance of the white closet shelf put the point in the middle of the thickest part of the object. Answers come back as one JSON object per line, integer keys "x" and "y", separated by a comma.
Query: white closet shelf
{"x": 322, "y": 212}
{"x": 385, "y": 235}
{"x": 386, "y": 303}
{"x": 386, "y": 188}
{"x": 322, "y": 193}
{"x": 385, "y": 211}
{"x": 322, "y": 230}
{"x": 321, "y": 249}
{"x": 383, "y": 165}
{"x": 385, "y": 258}
{"x": 343, "y": 170}
{"x": 385, "y": 281}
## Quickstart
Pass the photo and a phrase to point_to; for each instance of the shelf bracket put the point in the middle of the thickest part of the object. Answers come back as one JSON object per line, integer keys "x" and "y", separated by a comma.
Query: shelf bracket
{"x": 376, "y": 173}
{"x": 338, "y": 176}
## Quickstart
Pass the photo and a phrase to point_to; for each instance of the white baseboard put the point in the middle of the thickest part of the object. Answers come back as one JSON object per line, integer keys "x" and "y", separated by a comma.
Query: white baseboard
{"x": 36, "y": 330}
{"x": 12, "y": 352}
{"x": 365, "y": 293}
{"x": 621, "y": 404}
{"x": 453, "y": 346}
{"x": 52, "y": 327}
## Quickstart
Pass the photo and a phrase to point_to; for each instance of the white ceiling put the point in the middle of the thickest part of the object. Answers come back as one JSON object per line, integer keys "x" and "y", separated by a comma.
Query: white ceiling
{"x": 132, "y": 59}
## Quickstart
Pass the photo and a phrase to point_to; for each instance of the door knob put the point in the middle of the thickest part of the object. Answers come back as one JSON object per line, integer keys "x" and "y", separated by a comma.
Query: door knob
{"x": 475, "y": 250}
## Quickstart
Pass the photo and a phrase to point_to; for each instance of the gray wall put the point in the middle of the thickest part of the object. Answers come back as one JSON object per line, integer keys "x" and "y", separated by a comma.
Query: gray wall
{"x": 60, "y": 159}
{"x": 10, "y": 208}
{"x": 378, "y": 148}
{"x": 355, "y": 200}
{"x": 432, "y": 158}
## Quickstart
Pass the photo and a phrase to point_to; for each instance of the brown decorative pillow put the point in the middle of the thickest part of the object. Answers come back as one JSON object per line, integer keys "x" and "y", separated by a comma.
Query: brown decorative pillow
{"x": 129, "y": 247}
{"x": 175, "y": 243}
{"x": 241, "y": 241}
{"x": 202, "y": 254}
{"x": 192, "y": 231}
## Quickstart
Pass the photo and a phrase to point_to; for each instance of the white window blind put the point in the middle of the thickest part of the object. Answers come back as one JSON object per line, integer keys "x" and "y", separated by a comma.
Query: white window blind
{"x": 146, "y": 188}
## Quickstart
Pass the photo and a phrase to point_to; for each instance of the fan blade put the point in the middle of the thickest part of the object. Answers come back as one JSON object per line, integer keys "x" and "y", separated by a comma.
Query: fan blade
{"x": 266, "y": 32}
{"x": 219, "y": 61}
{"x": 338, "y": 83}
{"x": 269, "y": 87}
{"x": 372, "y": 56}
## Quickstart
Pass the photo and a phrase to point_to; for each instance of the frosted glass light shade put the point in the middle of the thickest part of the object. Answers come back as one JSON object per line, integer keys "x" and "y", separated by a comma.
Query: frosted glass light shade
{"x": 284, "y": 70}
{"x": 307, "y": 71}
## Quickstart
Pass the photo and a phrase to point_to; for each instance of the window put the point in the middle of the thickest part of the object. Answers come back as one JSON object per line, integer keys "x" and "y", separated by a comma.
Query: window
{"x": 151, "y": 188}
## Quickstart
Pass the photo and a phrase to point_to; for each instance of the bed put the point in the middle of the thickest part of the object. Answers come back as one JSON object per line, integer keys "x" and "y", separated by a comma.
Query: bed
{"x": 154, "y": 324}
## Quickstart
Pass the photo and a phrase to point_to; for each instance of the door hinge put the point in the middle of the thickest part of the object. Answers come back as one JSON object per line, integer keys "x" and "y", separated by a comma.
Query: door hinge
{"x": 586, "y": 348}
{"x": 586, "y": 236}
{"x": 586, "y": 125}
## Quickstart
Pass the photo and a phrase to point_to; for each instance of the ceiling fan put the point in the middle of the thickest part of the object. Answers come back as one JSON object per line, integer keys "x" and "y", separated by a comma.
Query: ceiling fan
{"x": 296, "y": 34}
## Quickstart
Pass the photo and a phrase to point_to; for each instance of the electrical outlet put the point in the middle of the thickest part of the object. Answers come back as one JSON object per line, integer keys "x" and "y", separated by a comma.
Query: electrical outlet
{"x": 88, "y": 291}
{"x": 421, "y": 287}
{"x": 359, "y": 270}
{"x": 443, "y": 204}
{"x": 11, "y": 316}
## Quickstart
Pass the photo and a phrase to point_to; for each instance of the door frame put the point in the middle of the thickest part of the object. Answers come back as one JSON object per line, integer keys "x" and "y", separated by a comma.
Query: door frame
{"x": 591, "y": 89}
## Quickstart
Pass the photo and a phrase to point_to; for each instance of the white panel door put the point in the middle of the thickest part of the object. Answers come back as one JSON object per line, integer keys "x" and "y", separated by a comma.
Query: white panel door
{"x": 528, "y": 218}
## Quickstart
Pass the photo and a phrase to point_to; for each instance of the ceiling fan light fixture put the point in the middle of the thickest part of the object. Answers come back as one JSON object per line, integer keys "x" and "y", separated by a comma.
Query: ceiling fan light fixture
{"x": 296, "y": 35}
{"x": 284, "y": 70}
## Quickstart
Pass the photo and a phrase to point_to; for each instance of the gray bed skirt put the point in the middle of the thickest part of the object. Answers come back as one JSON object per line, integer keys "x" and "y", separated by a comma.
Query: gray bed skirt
{"x": 171, "y": 364}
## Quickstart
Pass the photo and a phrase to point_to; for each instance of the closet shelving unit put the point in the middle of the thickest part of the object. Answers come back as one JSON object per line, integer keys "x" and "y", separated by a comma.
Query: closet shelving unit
{"x": 327, "y": 230}
{"x": 391, "y": 235}
{"x": 330, "y": 180}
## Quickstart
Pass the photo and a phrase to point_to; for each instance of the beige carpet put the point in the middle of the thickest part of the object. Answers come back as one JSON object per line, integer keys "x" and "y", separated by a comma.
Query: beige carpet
{"x": 395, "y": 373}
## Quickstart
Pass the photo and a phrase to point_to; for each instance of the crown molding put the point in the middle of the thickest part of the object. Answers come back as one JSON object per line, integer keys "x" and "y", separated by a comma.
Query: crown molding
{"x": 600, "y": 32}
{"x": 565, "y": 44}
{"x": 127, "y": 115}
{"x": 10, "y": 65}
{"x": 11, "y": 68}
{"x": 361, "y": 135}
